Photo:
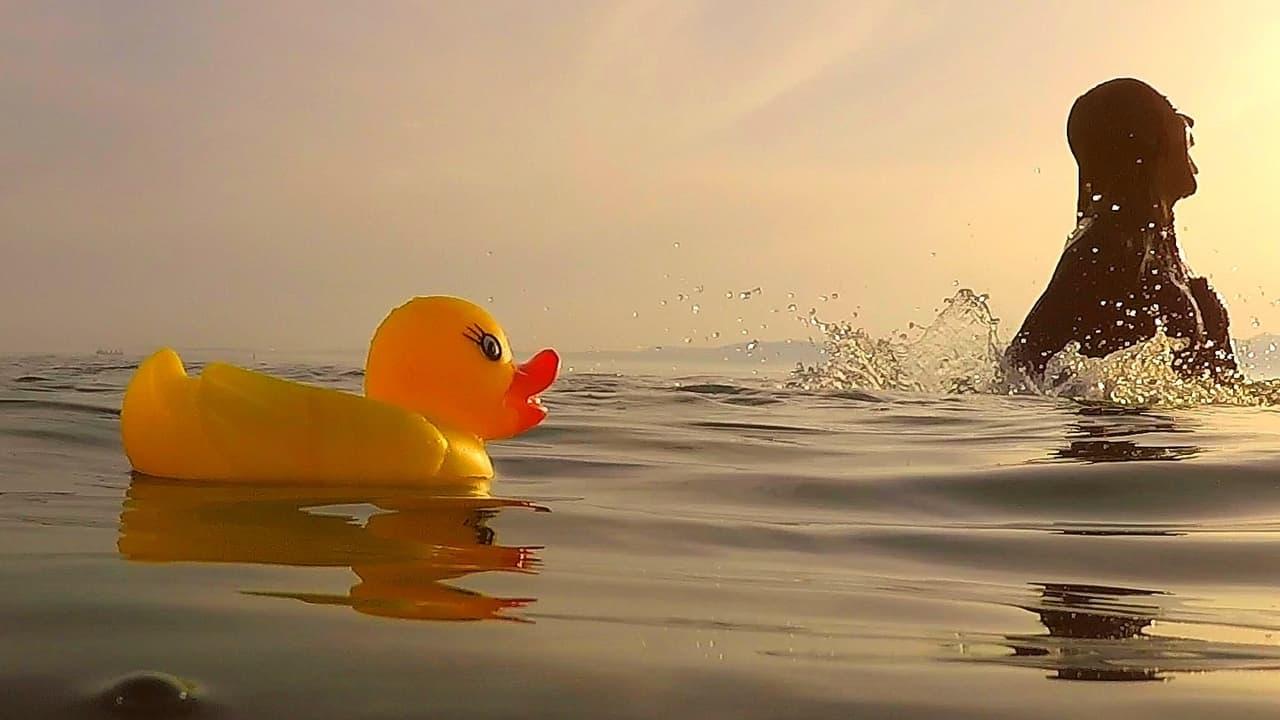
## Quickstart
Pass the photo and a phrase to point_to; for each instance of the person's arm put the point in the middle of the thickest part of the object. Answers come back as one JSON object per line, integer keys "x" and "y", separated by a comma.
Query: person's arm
{"x": 1219, "y": 356}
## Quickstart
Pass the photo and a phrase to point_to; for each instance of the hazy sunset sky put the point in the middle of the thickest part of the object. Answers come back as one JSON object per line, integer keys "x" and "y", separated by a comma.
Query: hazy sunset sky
{"x": 280, "y": 174}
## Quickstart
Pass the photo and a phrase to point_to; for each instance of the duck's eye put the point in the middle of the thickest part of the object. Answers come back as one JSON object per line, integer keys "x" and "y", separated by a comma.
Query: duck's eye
{"x": 488, "y": 342}
{"x": 490, "y": 346}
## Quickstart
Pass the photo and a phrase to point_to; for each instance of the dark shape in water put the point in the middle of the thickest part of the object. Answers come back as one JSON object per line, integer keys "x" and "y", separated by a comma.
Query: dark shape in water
{"x": 1084, "y": 623}
{"x": 1065, "y": 611}
{"x": 150, "y": 695}
{"x": 1099, "y": 633}
{"x": 1122, "y": 451}
{"x": 1112, "y": 436}
{"x": 1121, "y": 276}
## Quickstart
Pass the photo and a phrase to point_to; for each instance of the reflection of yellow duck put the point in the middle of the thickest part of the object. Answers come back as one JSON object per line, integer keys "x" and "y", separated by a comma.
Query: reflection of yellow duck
{"x": 439, "y": 381}
{"x": 401, "y": 555}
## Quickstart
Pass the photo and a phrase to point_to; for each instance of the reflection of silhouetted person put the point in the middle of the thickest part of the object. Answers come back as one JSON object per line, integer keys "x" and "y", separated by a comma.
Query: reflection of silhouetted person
{"x": 1071, "y": 611}
{"x": 1121, "y": 275}
{"x": 1079, "y": 612}
{"x": 1104, "y": 434}
{"x": 1100, "y": 633}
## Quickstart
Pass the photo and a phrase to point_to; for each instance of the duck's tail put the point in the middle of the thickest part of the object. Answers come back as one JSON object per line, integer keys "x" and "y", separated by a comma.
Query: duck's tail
{"x": 158, "y": 421}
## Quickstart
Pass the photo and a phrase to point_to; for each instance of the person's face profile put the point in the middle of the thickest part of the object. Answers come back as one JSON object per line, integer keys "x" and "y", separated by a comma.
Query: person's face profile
{"x": 1185, "y": 172}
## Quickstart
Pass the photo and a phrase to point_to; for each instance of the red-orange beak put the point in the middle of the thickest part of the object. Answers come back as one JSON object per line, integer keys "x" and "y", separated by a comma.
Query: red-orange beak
{"x": 531, "y": 378}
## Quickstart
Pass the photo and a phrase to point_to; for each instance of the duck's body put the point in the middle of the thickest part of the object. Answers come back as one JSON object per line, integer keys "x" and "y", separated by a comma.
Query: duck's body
{"x": 229, "y": 423}
{"x": 232, "y": 424}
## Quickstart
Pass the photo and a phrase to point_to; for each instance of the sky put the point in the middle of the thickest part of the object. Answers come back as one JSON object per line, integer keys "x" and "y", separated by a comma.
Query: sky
{"x": 281, "y": 174}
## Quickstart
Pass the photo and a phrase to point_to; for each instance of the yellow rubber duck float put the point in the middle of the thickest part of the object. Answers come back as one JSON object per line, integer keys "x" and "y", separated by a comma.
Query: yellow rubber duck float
{"x": 439, "y": 381}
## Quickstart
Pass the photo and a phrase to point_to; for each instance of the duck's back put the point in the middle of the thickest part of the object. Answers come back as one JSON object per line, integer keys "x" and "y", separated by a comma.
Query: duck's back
{"x": 232, "y": 424}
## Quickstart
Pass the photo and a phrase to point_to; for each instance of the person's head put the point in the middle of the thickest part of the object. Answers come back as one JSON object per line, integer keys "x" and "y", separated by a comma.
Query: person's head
{"x": 1130, "y": 142}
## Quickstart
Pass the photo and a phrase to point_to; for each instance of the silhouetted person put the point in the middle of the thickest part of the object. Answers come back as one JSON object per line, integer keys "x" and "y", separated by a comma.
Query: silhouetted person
{"x": 1121, "y": 275}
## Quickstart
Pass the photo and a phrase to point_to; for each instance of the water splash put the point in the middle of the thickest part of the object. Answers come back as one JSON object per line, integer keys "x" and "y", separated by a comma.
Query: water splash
{"x": 961, "y": 352}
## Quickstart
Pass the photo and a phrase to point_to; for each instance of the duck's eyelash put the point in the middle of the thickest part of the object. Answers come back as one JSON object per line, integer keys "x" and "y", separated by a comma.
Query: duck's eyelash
{"x": 475, "y": 334}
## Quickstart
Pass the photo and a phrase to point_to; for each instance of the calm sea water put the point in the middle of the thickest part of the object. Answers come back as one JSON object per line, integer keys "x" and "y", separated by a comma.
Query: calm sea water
{"x": 715, "y": 547}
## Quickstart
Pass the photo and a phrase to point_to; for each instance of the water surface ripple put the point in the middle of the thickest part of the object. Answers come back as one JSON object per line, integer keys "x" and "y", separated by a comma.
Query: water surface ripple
{"x": 714, "y": 547}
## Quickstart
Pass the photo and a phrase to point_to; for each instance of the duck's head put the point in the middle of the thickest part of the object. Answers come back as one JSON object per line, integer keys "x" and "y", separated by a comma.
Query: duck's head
{"x": 448, "y": 359}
